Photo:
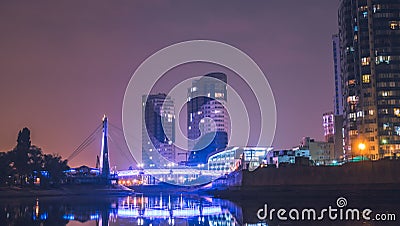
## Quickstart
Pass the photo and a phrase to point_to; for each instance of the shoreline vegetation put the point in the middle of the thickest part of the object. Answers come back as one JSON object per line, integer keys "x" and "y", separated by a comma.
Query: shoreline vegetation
{"x": 26, "y": 165}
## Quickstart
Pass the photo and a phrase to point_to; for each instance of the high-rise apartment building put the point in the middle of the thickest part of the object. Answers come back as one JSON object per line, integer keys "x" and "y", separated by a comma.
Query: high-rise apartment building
{"x": 369, "y": 33}
{"x": 338, "y": 105}
{"x": 158, "y": 129}
{"x": 329, "y": 126}
{"x": 208, "y": 120}
{"x": 337, "y": 114}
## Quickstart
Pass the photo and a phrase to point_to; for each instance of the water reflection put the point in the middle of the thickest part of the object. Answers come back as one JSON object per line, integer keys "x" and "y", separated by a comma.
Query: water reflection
{"x": 170, "y": 210}
{"x": 131, "y": 210}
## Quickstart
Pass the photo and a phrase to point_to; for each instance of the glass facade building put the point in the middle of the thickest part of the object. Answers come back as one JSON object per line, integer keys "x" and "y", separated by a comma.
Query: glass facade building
{"x": 158, "y": 130}
{"x": 208, "y": 120}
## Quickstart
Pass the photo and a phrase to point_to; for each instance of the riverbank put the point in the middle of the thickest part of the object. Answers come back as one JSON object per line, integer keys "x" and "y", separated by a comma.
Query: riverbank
{"x": 364, "y": 178}
{"x": 64, "y": 190}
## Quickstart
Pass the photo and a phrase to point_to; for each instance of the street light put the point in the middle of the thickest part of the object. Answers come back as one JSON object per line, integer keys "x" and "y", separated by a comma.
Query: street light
{"x": 361, "y": 146}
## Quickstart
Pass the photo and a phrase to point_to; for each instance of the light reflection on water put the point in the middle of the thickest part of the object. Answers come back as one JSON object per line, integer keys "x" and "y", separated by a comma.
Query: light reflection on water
{"x": 130, "y": 210}
{"x": 170, "y": 210}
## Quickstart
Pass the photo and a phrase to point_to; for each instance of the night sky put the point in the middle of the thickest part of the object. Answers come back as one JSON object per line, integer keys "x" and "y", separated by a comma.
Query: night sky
{"x": 63, "y": 64}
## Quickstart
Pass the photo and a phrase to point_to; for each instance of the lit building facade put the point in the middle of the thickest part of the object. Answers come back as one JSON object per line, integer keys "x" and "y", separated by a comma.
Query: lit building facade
{"x": 329, "y": 126}
{"x": 322, "y": 153}
{"x": 333, "y": 133}
{"x": 158, "y": 129}
{"x": 278, "y": 157}
{"x": 235, "y": 158}
{"x": 369, "y": 33}
{"x": 208, "y": 120}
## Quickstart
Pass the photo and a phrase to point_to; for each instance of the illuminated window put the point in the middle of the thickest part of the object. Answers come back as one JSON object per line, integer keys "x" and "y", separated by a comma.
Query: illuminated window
{"x": 219, "y": 95}
{"x": 365, "y": 61}
{"x": 353, "y": 132}
{"x": 382, "y": 59}
{"x": 396, "y": 112}
{"x": 384, "y": 111}
{"x": 352, "y": 99}
{"x": 352, "y": 82}
{"x": 170, "y": 117}
{"x": 385, "y": 126}
{"x": 376, "y": 7}
{"x": 384, "y": 93}
{"x": 371, "y": 112}
{"x": 366, "y": 79}
{"x": 193, "y": 89}
{"x": 363, "y": 8}
{"x": 360, "y": 114}
{"x": 394, "y": 25}
{"x": 397, "y": 130}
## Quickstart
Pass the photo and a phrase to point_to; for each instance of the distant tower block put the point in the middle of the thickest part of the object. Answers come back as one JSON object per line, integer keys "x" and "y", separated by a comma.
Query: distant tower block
{"x": 105, "y": 161}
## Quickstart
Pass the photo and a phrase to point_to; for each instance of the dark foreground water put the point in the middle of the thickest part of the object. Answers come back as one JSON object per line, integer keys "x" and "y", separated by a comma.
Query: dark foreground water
{"x": 183, "y": 209}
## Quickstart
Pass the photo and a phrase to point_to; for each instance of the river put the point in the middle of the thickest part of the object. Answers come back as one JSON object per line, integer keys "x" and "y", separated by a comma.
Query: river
{"x": 181, "y": 209}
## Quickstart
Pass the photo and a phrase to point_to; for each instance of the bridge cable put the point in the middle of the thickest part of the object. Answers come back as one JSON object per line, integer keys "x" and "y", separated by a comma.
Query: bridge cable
{"x": 122, "y": 131}
{"x": 111, "y": 134}
{"x": 85, "y": 143}
{"x": 123, "y": 134}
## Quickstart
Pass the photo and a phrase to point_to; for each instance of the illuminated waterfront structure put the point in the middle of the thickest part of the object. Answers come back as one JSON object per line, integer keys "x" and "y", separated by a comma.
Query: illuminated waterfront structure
{"x": 218, "y": 164}
{"x": 158, "y": 129}
{"x": 105, "y": 158}
{"x": 278, "y": 157}
{"x": 235, "y": 158}
{"x": 369, "y": 33}
{"x": 99, "y": 175}
{"x": 208, "y": 120}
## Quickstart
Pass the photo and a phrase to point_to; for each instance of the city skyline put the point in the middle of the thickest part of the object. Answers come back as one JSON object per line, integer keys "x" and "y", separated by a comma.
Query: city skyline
{"x": 64, "y": 65}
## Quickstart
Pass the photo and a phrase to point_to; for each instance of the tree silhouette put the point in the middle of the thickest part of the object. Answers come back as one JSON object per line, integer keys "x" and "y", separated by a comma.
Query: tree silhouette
{"x": 24, "y": 139}
{"x": 25, "y": 161}
{"x": 5, "y": 170}
{"x": 56, "y": 167}
{"x": 19, "y": 156}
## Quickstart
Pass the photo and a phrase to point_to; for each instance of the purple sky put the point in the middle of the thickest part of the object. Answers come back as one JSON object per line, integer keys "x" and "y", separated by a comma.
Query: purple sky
{"x": 65, "y": 63}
